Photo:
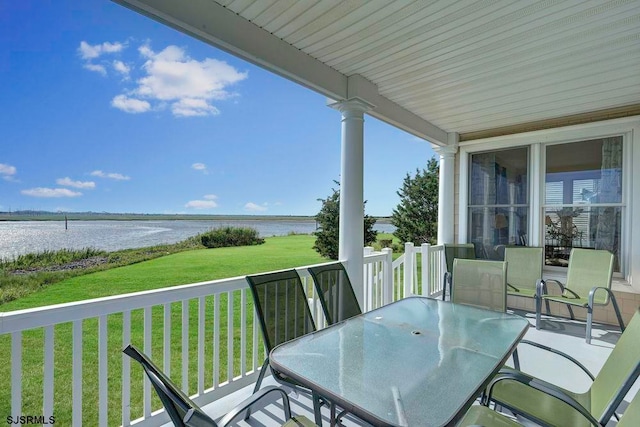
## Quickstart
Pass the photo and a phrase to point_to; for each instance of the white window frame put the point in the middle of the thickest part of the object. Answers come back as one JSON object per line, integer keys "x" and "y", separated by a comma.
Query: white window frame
{"x": 628, "y": 128}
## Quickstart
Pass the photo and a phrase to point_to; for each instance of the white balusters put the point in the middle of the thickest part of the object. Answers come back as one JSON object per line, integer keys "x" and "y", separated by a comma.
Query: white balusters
{"x": 103, "y": 402}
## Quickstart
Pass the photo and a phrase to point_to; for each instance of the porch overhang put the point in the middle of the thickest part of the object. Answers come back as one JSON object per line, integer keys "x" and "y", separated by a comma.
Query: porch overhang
{"x": 435, "y": 68}
{"x": 221, "y": 27}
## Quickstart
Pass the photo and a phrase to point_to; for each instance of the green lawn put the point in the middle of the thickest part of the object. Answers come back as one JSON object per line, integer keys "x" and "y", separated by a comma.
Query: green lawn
{"x": 181, "y": 268}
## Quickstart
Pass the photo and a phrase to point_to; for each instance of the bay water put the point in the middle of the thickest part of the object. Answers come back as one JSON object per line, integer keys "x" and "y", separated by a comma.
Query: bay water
{"x": 22, "y": 237}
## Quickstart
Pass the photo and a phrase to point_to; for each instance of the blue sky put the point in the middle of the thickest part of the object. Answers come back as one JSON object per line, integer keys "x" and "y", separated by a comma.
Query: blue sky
{"x": 103, "y": 109}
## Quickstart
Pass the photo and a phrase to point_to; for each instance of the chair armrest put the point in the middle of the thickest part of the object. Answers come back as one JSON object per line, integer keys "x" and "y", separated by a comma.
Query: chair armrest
{"x": 571, "y": 292}
{"x": 245, "y": 404}
{"x": 559, "y": 353}
{"x": 592, "y": 293}
{"x": 542, "y": 387}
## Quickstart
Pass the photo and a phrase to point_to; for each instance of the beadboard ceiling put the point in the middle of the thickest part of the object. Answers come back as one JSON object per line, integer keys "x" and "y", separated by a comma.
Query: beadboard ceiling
{"x": 476, "y": 68}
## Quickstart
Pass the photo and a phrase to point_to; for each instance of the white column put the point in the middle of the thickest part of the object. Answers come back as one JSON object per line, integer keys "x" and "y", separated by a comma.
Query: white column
{"x": 446, "y": 194}
{"x": 351, "y": 240}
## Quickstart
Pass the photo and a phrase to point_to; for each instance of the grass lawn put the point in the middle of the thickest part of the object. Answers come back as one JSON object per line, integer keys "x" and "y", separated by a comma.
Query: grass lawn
{"x": 180, "y": 268}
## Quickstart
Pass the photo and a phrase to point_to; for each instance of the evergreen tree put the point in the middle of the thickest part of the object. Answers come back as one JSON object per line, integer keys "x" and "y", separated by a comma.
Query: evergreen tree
{"x": 328, "y": 220}
{"x": 416, "y": 216}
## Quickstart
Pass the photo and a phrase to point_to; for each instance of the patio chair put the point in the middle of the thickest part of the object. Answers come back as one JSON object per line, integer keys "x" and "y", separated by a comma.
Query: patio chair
{"x": 480, "y": 283}
{"x": 334, "y": 289}
{"x": 451, "y": 252}
{"x": 588, "y": 284}
{"x": 182, "y": 410}
{"x": 525, "y": 272}
{"x": 283, "y": 311}
{"x": 548, "y": 404}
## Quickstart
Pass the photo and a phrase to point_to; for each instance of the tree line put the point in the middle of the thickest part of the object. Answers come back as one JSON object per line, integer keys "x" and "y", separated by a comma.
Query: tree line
{"x": 415, "y": 217}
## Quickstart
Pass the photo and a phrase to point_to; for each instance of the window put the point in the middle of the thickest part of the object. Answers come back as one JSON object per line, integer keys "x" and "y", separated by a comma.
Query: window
{"x": 498, "y": 200}
{"x": 583, "y": 198}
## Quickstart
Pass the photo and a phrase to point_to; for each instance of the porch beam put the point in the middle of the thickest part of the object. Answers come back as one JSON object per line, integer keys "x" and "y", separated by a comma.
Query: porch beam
{"x": 218, "y": 26}
{"x": 446, "y": 200}
{"x": 351, "y": 226}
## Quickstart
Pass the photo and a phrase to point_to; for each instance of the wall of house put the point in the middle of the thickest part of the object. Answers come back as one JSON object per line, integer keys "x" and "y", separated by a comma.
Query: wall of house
{"x": 626, "y": 289}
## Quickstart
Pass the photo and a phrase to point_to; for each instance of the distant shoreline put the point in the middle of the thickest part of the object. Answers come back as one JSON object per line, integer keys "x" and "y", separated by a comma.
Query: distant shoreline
{"x": 105, "y": 216}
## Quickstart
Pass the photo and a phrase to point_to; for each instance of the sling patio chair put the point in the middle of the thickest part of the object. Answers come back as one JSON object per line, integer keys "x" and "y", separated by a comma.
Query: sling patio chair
{"x": 451, "y": 252}
{"x": 550, "y": 405}
{"x": 479, "y": 415}
{"x": 334, "y": 289}
{"x": 480, "y": 283}
{"x": 182, "y": 410}
{"x": 588, "y": 284}
{"x": 525, "y": 272}
{"x": 284, "y": 314}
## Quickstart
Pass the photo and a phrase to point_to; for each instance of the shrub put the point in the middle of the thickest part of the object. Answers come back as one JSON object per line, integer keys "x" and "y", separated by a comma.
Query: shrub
{"x": 416, "y": 216}
{"x": 230, "y": 236}
{"x": 328, "y": 220}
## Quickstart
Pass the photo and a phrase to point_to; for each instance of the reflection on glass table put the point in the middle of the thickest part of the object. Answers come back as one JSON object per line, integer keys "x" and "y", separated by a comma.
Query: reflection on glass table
{"x": 416, "y": 362}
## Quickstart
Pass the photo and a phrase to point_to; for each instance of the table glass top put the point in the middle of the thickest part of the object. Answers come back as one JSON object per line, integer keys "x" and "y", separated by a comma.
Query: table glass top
{"x": 415, "y": 362}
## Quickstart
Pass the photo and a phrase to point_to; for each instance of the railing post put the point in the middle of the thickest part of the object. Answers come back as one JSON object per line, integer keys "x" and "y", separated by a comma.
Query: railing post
{"x": 367, "y": 280}
{"x": 408, "y": 269}
{"x": 387, "y": 274}
{"x": 426, "y": 269}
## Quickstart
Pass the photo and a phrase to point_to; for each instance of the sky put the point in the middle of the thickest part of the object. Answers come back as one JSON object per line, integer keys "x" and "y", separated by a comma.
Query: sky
{"x": 104, "y": 110}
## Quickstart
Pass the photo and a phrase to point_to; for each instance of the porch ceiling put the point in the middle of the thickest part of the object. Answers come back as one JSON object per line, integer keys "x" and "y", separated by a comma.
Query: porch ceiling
{"x": 477, "y": 68}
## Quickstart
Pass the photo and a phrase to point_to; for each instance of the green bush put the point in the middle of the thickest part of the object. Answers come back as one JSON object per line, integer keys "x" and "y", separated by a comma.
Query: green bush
{"x": 230, "y": 236}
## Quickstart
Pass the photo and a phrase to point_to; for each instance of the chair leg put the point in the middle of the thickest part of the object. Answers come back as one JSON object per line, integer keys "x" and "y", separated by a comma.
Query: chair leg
{"x": 546, "y": 302}
{"x": 589, "y": 320}
{"x": 617, "y": 310}
{"x": 571, "y": 312}
{"x": 261, "y": 375}
{"x": 538, "y": 311}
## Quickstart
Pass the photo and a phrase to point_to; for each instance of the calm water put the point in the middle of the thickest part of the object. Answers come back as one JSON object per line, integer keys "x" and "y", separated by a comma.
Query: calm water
{"x": 21, "y": 237}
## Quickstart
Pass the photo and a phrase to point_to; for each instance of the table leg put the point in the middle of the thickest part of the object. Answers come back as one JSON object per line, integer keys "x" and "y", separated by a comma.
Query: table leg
{"x": 316, "y": 409}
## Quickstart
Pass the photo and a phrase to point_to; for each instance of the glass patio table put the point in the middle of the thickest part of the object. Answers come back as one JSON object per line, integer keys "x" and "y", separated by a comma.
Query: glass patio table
{"x": 415, "y": 362}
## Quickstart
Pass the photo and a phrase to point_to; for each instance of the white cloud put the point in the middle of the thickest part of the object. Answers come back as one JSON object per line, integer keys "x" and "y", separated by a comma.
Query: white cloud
{"x": 88, "y": 51}
{"x": 50, "y": 192}
{"x": 116, "y": 176}
{"x": 190, "y": 85}
{"x": 252, "y": 207}
{"x": 200, "y": 167}
{"x": 122, "y": 68}
{"x": 207, "y": 202}
{"x": 201, "y": 204}
{"x": 7, "y": 172}
{"x": 96, "y": 67}
{"x": 191, "y": 107}
{"x": 130, "y": 105}
{"x": 68, "y": 182}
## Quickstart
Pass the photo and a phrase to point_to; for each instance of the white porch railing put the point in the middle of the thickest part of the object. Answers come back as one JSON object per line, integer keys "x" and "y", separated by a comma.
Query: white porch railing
{"x": 419, "y": 271}
{"x": 204, "y": 335}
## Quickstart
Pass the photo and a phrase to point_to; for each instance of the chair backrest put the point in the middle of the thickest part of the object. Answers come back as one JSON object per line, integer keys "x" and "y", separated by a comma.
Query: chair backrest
{"x": 336, "y": 294}
{"x": 618, "y": 373}
{"x": 181, "y": 410}
{"x": 453, "y": 251}
{"x": 282, "y": 306}
{"x": 480, "y": 283}
{"x": 525, "y": 266}
{"x": 589, "y": 268}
